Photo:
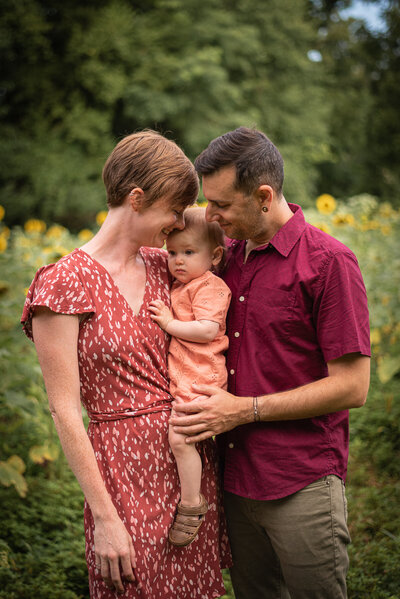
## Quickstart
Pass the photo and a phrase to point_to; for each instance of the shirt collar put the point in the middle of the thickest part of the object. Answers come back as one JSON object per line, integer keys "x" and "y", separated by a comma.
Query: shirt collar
{"x": 287, "y": 236}
{"x": 285, "y": 239}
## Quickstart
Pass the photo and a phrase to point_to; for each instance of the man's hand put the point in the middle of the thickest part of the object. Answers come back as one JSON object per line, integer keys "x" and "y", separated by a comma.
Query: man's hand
{"x": 161, "y": 314}
{"x": 219, "y": 412}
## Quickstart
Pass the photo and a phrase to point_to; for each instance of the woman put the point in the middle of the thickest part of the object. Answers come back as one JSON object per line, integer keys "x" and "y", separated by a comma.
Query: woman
{"x": 96, "y": 342}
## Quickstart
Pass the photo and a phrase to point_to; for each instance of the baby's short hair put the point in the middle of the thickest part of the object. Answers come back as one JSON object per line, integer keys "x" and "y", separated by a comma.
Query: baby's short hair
{"x": 195, "y": 220}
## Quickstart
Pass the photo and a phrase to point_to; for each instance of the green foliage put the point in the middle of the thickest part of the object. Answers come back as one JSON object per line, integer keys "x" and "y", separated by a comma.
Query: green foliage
{"x": 228, "y": 585}
{"x": 372, "y": 232}
{"x": 375, "y": 529}
{"x": 42, "y": 543}
{"x": 11, "y": 473}
{"x": 363, "y": 92}
{"x": 78, "y": 77}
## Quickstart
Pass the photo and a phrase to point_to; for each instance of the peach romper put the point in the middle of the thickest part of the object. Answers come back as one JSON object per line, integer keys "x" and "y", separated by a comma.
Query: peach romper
{"x": 204, "y": 298}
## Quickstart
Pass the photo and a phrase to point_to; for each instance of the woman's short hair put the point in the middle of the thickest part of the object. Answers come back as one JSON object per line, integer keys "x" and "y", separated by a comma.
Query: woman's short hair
{"x": 251, "y": 152}
{"x": 155, "y": 164}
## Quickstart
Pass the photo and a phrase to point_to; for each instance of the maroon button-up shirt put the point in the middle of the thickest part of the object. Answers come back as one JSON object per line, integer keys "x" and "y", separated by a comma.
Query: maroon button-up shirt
{"x": 297, "y": 303}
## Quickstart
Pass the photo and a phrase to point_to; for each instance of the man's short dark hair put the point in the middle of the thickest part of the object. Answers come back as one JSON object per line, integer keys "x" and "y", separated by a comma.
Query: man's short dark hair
{"x": 251, "y": 152}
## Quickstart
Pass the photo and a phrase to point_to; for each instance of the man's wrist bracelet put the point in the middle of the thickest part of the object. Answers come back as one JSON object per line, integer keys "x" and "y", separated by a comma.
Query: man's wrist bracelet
{"x": 255, "y": 410}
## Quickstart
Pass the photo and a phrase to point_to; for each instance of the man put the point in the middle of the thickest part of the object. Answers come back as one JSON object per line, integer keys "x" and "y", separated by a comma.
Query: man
{"x": 298, "y": 360}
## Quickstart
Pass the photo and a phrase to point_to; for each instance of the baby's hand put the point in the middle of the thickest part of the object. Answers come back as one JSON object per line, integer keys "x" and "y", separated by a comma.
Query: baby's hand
{"x": 161, "y": 314}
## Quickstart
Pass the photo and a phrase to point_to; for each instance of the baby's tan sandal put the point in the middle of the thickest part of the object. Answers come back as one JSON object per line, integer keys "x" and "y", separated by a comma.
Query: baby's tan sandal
{"x": 188, "y": 520}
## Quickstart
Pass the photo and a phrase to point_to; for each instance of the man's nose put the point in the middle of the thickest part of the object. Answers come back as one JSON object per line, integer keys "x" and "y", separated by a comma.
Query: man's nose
{"x": 210, "y": 216}
{"x": 180, "y": 222}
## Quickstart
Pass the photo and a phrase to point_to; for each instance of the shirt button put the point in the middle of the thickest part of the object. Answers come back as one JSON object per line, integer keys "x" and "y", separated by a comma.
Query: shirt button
{"x": 241, "y": 298}
{"x": 237, "y": 334}
{"x": 231, "y": 446}
{"x": 231, "y": 371}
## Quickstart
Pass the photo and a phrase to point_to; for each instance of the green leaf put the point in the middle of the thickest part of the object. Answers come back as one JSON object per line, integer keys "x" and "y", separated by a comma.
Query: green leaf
{"x": 388, "y": 366}
{"x": 17, "y": 463}
{"x": 10, "y": 475}
{"x": 42, "y": 453}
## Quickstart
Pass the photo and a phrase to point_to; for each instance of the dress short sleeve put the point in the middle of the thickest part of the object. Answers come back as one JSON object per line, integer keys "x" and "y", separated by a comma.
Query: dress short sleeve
{"x": 211, "y": 300}
{"x": 58, "y": 288}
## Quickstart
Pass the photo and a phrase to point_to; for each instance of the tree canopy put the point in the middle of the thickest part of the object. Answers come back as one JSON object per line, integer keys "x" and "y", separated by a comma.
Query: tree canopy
{"x": 76, "y": 77}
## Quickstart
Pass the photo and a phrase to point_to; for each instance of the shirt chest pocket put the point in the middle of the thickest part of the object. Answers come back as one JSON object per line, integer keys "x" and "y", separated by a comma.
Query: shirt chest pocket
{"x": 270, "y": 313}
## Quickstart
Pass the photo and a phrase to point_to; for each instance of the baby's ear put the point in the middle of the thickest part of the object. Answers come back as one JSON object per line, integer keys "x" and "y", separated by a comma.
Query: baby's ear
{"x": 217, "y": 255}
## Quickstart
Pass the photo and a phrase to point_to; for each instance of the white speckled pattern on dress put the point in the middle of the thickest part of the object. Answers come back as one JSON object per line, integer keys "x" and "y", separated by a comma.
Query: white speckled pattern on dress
{"x": 125, "y": 390}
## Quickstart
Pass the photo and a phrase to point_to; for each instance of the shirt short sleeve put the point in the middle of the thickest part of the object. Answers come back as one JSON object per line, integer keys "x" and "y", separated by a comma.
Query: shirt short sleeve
{"x": 58, "y": 288}
{"x": 340, "y": 308}
{"x": 210, "y": 300}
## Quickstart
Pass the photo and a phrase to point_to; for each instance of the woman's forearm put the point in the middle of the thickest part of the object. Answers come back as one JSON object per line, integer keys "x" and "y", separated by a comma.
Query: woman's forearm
{"x": 81, "y": 458}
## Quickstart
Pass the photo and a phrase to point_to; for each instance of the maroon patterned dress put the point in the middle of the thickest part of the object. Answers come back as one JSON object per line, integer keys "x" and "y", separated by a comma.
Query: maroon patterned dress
{"x": 124, "y": 388}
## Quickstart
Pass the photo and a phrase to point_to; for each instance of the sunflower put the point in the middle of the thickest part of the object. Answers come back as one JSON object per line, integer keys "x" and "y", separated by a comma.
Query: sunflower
{"x": 85, "y": 234}
{"x": 344, "y": 219}
{"x": 3, "y": 244}
{"x": 55, "y": 232}
{"x": 34, "y": 225}
{"x": 325, "y": 203}
{"x": 101, "y": 217}
{"x": 386, "y": 229}
{"x": 375, "y": 336}
{"x": 323, "y": 227}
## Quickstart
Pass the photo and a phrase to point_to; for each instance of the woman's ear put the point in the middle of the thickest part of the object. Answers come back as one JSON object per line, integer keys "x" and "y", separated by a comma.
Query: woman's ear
{"x": 136, "y": 198}
{"x": 217, "y": 255}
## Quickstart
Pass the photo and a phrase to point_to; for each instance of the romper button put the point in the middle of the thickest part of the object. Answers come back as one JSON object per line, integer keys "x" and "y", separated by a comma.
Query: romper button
{"x": 231, "y": 371}
{"x": 237, "y": 334}
{"x": 231, "y": 446}
{"x": 241, "y": 298}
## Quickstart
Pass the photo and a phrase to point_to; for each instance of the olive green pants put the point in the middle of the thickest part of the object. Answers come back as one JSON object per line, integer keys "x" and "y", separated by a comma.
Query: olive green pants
{"x": 290, "y": 548}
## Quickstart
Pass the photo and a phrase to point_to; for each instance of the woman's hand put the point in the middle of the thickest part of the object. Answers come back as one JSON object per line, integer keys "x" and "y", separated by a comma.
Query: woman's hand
{"x": 161, "y": 314}
{"x": 114, "y": 552}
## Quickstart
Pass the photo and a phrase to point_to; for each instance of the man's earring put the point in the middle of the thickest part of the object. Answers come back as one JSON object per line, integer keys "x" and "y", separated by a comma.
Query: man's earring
{"x": 264, "y": 209}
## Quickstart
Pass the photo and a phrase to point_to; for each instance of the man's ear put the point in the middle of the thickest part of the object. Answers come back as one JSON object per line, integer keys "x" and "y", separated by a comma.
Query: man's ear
{"x": 265, "y": 193}
{"x": 217, "y": 255}
{"x": 136, "y": 198}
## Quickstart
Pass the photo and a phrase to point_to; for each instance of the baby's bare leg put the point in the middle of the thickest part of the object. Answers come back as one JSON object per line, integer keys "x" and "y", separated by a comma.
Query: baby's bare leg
{"x": 189, "y": 466}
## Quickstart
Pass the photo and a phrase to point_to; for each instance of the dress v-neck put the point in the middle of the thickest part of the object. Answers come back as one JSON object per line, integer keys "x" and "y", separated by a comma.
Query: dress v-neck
{"x": 117, "y": 289}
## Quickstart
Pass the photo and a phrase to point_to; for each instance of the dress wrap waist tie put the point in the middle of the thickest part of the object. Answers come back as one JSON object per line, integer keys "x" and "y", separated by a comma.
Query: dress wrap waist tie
{"x": 159, "y": 406}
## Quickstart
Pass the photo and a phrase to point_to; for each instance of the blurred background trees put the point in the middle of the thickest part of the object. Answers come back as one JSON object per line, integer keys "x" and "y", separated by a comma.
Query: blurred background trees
{"x": 77, "y": 76}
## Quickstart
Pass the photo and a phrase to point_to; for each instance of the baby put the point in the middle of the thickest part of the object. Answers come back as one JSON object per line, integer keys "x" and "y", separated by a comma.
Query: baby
{"x": 199, "y": 303}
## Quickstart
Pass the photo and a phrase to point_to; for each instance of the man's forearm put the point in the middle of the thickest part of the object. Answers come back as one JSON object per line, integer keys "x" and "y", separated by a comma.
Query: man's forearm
{"x": 315, "y": 399}
{"x": 345, "y": 387}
